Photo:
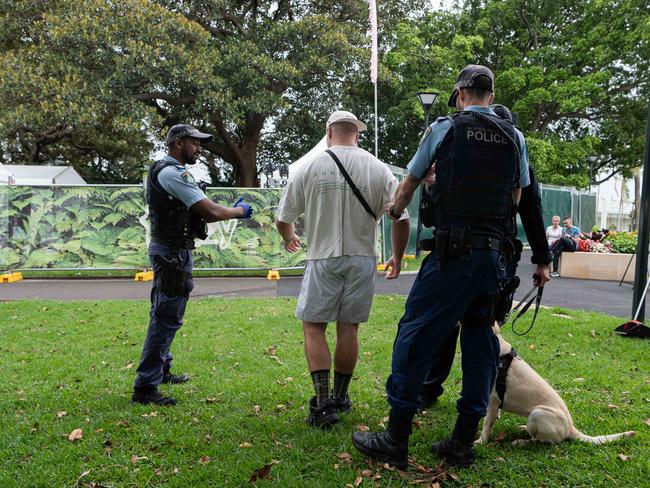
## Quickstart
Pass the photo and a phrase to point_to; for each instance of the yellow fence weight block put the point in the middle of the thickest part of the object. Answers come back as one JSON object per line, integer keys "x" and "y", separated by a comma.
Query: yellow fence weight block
{"x": 273, "y": 274}
{"x": 408, "y": 257}
{"x": 381, "y": 267}
{"x": 11, "y": 277}
{"x": 144, "y": 276}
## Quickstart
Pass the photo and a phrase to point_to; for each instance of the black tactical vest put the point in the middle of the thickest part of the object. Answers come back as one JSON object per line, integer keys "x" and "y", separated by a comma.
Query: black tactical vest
{"x": 477, "y": 169}
{"x": 172, "y": 223}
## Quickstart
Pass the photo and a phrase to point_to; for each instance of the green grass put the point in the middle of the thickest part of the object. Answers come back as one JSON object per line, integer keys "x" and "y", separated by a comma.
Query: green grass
{"x": 80, "y": 357}
{"x": 122, "y": 273}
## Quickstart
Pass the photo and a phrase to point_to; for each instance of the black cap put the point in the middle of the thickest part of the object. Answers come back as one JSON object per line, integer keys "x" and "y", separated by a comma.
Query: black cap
{"x": 503, "y": 112}
{"x": 185, "y": 130}
{"x": 472, "y": 76}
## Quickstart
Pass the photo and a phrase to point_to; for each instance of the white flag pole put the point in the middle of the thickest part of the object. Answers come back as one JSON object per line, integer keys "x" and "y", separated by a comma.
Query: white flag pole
{"x": 373, "y": 65}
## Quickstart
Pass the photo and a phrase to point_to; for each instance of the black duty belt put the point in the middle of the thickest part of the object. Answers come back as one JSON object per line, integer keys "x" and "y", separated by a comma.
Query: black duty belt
{"x": 475, "y": 242}
{"x": 174, "y": 243}
{"x": 502, "y": 374}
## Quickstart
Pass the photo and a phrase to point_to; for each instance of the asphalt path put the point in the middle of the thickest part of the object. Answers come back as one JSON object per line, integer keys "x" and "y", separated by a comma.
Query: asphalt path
{"x": 598, "y": 296}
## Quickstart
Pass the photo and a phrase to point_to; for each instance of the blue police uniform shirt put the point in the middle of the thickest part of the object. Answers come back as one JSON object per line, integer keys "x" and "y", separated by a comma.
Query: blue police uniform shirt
{"x": 179, "y": 182}
{"x": 419, "y": 165}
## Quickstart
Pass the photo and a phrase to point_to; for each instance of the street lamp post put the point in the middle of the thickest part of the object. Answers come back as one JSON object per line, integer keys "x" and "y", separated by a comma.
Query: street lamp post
{"x": 591, "y": 160}
{"x": 427, "y": 100}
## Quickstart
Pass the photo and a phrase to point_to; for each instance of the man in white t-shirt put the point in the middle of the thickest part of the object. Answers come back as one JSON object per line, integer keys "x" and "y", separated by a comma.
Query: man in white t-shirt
{"x": 339, "y": 280}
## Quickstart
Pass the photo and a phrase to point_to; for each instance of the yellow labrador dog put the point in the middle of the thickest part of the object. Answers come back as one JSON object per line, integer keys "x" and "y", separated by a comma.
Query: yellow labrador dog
{"x": 529, "y": 395}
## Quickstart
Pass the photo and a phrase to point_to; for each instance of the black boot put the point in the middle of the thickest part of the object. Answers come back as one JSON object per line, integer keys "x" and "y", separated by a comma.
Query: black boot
{"x": 458, "y": 450}
{"x": 390, "y": 446}
{"x": 175, "y": 378}
{"x": 145, "y": 396}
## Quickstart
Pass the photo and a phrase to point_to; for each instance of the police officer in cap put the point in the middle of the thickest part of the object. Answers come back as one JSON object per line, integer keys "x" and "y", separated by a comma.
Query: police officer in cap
{"x": 480, "y": 167}
{"x": 179, "y": 211}
{"x": 530, "y": 211}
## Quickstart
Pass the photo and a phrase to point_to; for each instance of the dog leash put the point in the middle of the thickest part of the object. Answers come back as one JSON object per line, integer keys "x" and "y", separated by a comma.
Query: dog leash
{"x": 531, "y": 297}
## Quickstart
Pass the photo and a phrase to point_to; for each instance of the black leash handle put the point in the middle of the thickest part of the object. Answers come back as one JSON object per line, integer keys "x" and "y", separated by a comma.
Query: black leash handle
{"x": 535, "y": 298}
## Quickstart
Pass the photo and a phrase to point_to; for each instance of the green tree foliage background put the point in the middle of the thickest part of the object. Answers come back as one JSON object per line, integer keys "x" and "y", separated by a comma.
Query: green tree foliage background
{"x": 95, "y": 84}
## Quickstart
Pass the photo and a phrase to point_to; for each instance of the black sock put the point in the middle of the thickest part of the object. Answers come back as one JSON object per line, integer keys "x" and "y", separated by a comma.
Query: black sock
{"x": 321, "y": 380}
{"x": 341, "y": 384}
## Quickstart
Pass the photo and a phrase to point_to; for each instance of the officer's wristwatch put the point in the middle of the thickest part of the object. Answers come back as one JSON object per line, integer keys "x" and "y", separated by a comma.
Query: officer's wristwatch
{"x": 393, "y": 214}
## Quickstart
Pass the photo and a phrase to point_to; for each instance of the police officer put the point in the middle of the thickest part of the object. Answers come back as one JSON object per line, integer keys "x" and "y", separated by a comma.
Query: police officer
{"x": 480, "y": 167}
{"x": 179, "y": 211}
{"x": 530, "y": 210}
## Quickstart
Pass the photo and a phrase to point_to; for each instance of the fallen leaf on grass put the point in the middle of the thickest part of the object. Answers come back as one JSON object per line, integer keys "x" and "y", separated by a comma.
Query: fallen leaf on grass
{"x": 500, "y": 436}
{"x": 257, "y": 410}
{"x": 561, "y": 315}
{"x": 271, "y": 350}
{"x": 35, "y": 427}
{"x": 647, "y": 422}
{"x": 246, "y": 445}
{"x": 593, "y": 333}
{"x": 500, "y": 459}
{"x": 345, "y": 457}
{"x": 75, "y": 435}
{"x": 358, "y": 481}
{"x": 123, "y": 423}
{"x": 158, "y": 472}
{"x": 623, "y": 457}
{"x": 263, "y": 473}
{"x": 62, "y": 413}
{"x": 135, "y": 458}
{"x": 363, "y": 428}
{"x": 152, "y": 414}
{"x": 210, "y": 400}
{"x": 578, "y": 379}
{"x": 531, "y": 347}
{"x": 204, "y": 459}
{"x": 366, "y": 473}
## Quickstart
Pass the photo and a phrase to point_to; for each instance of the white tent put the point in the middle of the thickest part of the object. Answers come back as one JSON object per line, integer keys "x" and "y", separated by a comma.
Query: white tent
{"x": 5, "y": 176}
{"x": 23, "y": 174}
{"x": 313, "y": 152}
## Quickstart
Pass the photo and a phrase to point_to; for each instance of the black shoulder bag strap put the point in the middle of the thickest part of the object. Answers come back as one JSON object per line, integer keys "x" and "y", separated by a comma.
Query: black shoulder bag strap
{"x": 354, "y": 188}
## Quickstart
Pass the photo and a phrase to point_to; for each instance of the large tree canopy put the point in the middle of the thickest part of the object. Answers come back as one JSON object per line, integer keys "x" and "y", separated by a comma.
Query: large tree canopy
{"x": 574, "y": 71}
{"x": 89, "y": 80}
{"x": 95, "y": 84}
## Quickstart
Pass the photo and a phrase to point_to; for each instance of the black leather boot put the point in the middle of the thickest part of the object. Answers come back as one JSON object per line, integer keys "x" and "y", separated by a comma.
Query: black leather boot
{"x": 458, "y": 450}
{"x": 390, "y": 446}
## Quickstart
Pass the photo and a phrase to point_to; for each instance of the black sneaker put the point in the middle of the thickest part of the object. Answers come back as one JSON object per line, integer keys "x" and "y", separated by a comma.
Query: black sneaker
{"x": 454, "y": 452}
{"x": 381, "y": 446}
{"x": 175, "y": 378}
{"x": 343, "y": 405}
{"x": 323, "y": 416}
{"x": 151, "y": 396}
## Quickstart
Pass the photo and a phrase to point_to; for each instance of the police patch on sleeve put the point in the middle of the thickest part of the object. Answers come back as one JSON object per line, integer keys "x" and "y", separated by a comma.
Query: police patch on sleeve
{"x": 425, "y": 135}
{"x": 188, "y": 178}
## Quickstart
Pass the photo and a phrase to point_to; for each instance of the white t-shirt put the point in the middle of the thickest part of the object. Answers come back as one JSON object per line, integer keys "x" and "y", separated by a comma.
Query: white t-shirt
{"x": 336, "y": 224}
{"x": 553, "y": 234}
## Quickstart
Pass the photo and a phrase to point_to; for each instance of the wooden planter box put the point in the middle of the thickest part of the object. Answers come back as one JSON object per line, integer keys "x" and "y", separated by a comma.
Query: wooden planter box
{"x": 596, "y": 266}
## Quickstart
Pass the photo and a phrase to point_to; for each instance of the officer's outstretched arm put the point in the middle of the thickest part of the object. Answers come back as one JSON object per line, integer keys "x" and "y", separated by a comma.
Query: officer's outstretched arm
{"x": 404, "y": 194}
{"x": 213, "y": 212}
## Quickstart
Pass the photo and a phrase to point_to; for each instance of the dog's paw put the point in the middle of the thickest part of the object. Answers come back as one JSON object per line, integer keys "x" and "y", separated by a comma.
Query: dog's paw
{"x": 523, "y": 427}
{"x": 521, "y": 442}
{"x": 480, "y": 440}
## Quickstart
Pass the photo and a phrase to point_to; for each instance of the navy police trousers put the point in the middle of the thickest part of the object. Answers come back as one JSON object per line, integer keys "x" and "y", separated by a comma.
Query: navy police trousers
{"x": 166, "y": 317}
{"x": 458, "y": 289}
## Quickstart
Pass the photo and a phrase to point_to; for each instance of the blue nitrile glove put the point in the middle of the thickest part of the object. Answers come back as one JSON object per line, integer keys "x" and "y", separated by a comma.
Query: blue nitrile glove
{"x": 248, "y": 210}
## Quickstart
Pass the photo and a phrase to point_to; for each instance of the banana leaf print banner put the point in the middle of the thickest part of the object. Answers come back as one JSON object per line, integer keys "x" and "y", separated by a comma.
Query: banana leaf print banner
{"x": 107, "y": 227}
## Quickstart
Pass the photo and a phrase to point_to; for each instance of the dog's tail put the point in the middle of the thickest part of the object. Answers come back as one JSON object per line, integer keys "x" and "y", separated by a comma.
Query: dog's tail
{"x": 576, "y": 435}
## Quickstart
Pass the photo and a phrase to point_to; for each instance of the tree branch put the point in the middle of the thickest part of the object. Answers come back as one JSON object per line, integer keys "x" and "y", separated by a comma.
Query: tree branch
{"x": 176, "y": 101}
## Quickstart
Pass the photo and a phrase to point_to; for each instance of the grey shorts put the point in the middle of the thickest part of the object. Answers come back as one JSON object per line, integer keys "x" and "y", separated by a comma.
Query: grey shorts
{"x": 338, "y": 288}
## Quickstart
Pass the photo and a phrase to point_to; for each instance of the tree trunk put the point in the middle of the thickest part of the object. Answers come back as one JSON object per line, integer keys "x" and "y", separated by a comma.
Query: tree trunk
{"x": 637, "y": 198}
{"x": 246, "y": 170}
